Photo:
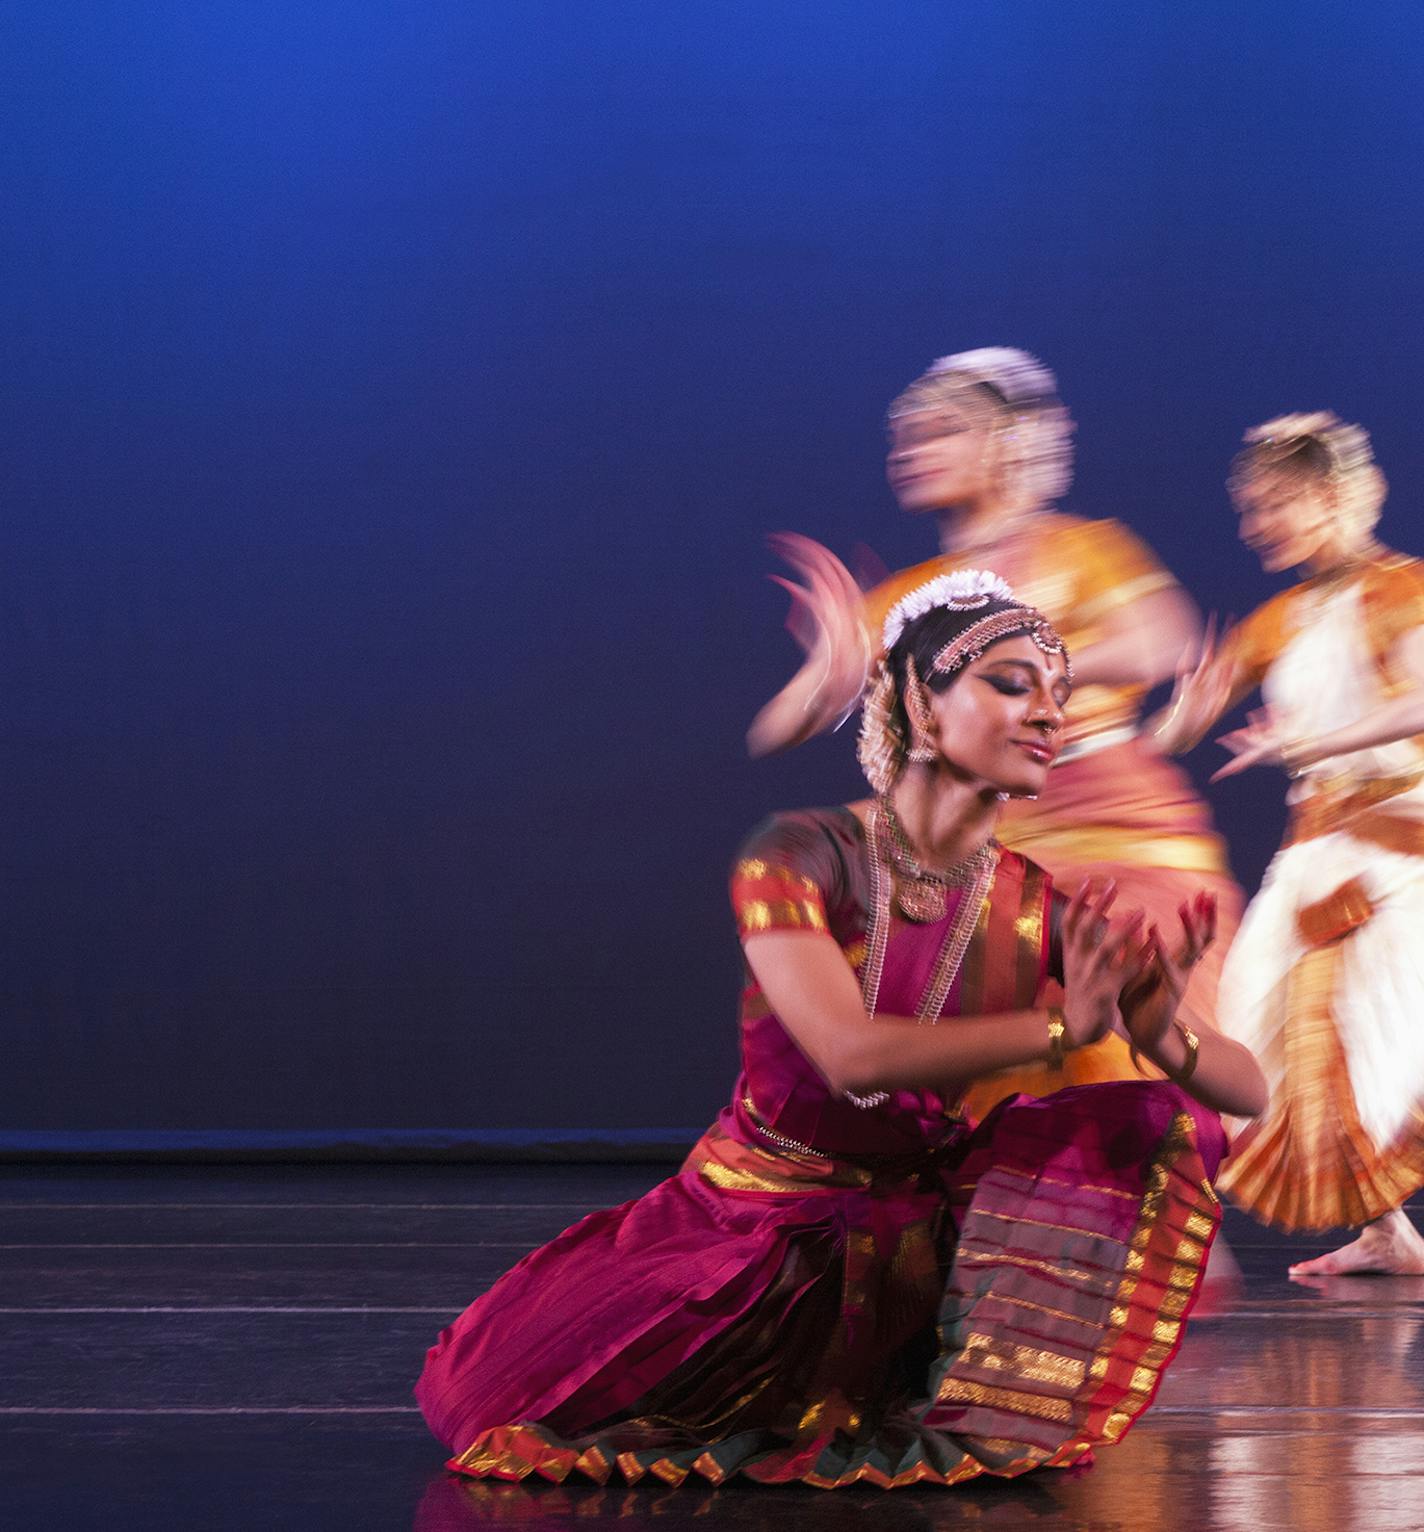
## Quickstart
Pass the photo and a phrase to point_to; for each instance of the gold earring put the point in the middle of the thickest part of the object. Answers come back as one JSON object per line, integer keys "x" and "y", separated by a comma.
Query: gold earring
{"x": 878, "y": 747}
{"x": 917, "y": 710}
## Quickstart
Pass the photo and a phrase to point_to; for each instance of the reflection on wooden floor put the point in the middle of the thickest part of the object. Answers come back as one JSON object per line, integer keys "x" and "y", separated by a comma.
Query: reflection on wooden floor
{"x": 234, "y": 1348}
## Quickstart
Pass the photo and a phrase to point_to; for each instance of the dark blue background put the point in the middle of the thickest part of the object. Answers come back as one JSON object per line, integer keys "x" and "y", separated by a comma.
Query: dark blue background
{"x": 395, "y": 398}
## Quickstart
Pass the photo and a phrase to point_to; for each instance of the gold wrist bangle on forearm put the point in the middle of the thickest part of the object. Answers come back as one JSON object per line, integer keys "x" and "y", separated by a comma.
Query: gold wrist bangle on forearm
{"x": 1193, "y": 1046}
{"x": 1167, "y": 736}
{"x": 1190, "y": 1041}
{"x": 1293, "y": 756}
{"x": 1057, "y": 1047}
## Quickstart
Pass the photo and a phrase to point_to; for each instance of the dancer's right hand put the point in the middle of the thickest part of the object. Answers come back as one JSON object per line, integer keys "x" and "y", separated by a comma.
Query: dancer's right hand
{"x": 825, "y": 616}
{"x": 825, "y": 619}
{"x": 1150, "y": 1003}
{"x": 1102, "y": 956}
{"x": 1201, "y": 695}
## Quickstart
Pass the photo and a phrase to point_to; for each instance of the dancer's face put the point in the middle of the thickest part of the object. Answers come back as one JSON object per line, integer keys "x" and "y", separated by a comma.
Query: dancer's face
{"x": 1287, "y": 521}
{"x": 1001, "y": 722}
{"x": 941, "y": 457}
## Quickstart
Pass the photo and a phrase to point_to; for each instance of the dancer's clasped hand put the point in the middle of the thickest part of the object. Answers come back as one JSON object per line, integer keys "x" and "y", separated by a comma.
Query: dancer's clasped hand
{"x": 1103, "y": 955}
{"x": 1149, "y": 1003}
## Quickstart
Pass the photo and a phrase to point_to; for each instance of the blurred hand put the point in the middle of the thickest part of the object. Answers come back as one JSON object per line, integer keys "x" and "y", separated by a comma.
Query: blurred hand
{"x": 1260, "y": 743}
{"x": 1200, "y": 695}
{"x": 1101, "y": 958}
{"x": 1149, "y": 1002}
{"x": 826, "y": 621}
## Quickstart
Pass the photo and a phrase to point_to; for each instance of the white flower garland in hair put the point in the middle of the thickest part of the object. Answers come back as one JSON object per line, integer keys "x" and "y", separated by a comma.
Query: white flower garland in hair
{"x": 1019, "y": 377}
{"x": 1348, "y": 445}
{"x": 961, "y": 591}
{"x": 1040, "y": 437}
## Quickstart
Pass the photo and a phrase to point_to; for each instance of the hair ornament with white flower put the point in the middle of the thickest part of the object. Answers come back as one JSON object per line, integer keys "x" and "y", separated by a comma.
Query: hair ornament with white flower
{"x": 930, "y": 635}
{"x": 1348, "y": 445}
{"x": 963, "y": 591}
{"x": 1022, "y": 379}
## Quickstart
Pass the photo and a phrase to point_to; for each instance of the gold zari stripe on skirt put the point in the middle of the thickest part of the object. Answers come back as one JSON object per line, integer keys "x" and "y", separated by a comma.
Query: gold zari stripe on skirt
{"x": 1309, "y": 1164}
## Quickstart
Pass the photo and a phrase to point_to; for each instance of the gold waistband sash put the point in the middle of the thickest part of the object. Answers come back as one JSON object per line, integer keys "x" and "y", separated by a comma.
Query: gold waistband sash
{"x": 1332, "y": 918}
{"x": 1345, "y": 804}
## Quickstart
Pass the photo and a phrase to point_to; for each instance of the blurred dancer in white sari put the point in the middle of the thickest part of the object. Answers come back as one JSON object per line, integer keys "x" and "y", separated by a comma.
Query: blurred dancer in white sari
{"x": 1325, "y": 982}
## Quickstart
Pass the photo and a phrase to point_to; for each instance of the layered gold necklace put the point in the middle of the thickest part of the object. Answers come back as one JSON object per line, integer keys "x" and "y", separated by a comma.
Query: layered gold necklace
{"x": 922, "y": 892}
{"x": 975, "y": 875}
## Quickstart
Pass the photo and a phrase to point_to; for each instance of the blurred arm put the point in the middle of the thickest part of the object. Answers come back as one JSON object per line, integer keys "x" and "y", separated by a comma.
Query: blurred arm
{"x": 816, "y": 997}
{"x": 1143, "y": 643}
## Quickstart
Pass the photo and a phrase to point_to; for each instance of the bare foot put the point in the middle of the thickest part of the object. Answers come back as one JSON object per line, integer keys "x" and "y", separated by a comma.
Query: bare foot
{"x": 1391, "y": 1246}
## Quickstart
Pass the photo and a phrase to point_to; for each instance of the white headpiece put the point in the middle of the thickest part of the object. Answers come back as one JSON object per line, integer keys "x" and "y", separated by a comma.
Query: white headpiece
{"x": 1022, "y": 379}
{"x": 961, "y": 591}
{"x": 1040, "y": 440}
{"x": 1359, "y": 485}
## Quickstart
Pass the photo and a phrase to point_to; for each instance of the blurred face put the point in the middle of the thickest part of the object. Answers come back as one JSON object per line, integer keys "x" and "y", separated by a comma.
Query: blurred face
{"x": 942, "y": 456}
{"x": 1287, "y": 521}
{"x": 1001, "y": 722}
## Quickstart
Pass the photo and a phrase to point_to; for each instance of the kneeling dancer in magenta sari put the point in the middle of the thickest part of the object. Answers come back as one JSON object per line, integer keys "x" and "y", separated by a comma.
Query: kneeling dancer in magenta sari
{"x": 844, "y": 1282}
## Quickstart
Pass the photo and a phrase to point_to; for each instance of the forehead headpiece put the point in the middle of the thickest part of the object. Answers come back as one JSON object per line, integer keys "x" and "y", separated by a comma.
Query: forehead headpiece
{"x": 929, "y": 635}
{"x": 991, "y": 612}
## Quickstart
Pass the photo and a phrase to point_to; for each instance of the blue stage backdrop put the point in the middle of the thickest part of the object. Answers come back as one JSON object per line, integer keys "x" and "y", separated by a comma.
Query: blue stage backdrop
{"x": 396, "y": 398}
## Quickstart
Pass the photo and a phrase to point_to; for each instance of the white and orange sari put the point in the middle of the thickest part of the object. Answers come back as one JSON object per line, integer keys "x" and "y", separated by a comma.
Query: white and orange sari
{"x": 1325, "y": 982}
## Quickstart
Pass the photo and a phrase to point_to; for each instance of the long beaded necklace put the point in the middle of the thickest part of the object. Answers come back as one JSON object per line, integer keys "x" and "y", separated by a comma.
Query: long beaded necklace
{"x": 879, "y": 835}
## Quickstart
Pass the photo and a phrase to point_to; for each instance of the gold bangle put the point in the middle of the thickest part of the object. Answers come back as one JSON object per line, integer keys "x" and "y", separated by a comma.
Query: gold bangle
{"x": 1187, "y": 743}
{"x": 1056, "y": 1046}
{"x": 1193, "y": 1042}
{"x": 1291, "y": 753}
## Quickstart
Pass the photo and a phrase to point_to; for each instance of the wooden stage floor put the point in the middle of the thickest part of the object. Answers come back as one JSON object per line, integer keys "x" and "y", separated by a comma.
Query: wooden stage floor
{"x": 233, "y": 1348}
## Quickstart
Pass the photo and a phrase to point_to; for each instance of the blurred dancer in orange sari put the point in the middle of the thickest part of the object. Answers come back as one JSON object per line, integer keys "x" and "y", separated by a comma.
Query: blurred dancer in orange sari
{"x": 982, "y": 442}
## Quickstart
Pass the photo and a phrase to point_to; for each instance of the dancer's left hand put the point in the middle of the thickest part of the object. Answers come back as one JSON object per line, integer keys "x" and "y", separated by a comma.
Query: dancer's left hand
{"x": 1149, "y": 1005}
{"x": 1260, "y": 743}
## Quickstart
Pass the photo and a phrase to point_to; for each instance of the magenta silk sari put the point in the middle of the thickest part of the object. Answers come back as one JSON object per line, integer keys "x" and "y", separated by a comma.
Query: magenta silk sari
{"x": 830, "y": 1294}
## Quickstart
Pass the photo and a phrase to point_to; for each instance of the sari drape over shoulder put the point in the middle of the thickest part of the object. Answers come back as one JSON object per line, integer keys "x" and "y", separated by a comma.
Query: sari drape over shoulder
{"x": 1113, "y": 807}
{"x": 832, "y": 1294}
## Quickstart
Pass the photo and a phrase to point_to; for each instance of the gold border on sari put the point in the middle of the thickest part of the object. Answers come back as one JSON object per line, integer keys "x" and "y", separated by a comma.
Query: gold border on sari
{"x": 1309, "y": 1164}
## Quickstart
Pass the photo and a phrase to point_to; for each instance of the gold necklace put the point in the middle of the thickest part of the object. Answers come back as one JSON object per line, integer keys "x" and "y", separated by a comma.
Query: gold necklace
{"x": 951, "y": 952}
{"x": 1008, "y": 527}
{"x": 923, "y": 892}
